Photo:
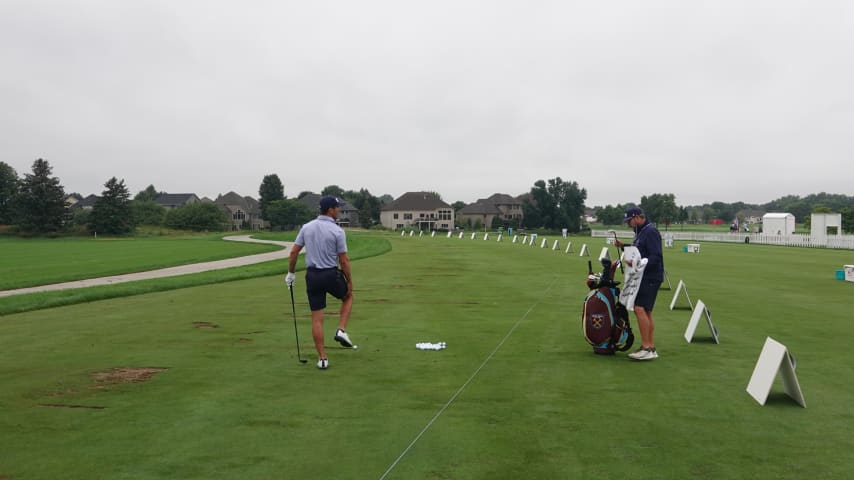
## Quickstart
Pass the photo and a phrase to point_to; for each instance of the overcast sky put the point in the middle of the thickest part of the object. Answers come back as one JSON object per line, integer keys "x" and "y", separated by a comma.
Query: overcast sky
{"x": 738, "y": 100}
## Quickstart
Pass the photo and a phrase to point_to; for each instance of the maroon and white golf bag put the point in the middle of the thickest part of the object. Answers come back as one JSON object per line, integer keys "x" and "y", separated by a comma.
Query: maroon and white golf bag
{"x": 605, "y": 321}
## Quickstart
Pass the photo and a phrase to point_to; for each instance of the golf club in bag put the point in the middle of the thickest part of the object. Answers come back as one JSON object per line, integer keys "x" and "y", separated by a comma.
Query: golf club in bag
{"x": 296, "y": 332}
{"x": 604, "y": 320}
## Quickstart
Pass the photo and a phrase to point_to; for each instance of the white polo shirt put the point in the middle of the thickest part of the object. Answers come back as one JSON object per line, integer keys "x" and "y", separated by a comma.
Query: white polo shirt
{"x": 323, "y": 241}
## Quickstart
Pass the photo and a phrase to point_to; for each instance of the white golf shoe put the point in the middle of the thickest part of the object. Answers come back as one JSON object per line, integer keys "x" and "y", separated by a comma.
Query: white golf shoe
{"x": 644, "y": 354}
{"x": 342, "y": 338}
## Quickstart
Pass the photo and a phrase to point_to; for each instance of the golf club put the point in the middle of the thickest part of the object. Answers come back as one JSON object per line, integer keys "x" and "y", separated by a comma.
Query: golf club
{"x": 620, "y": 257}
{"x": 296, "y": 332}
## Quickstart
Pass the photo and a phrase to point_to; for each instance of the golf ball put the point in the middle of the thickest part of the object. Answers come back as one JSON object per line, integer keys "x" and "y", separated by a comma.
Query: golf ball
{"x": 355, "y": 347}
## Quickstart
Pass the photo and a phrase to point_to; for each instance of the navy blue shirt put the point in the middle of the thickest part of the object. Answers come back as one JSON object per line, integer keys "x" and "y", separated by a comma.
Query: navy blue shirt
{"x": 648, "y": 241}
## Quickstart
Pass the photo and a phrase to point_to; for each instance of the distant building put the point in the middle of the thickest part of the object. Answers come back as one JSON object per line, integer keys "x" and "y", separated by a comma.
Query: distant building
{"x": 485, "y": 211}
{"x": 86, "y": 203}
{"x": 422, "y": 210}
{"x": 778, "y": 224}
{"x": 175, "y": 200}
{"x": 243, "y": 212}
{"x": 349, "y": 214}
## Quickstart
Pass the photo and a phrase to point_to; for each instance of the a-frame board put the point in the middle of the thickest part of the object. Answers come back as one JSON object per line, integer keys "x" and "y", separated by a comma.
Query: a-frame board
{"x": 695, "y": 320}
{"x": 681, "y": 287}
{"x": 774, "y": 359}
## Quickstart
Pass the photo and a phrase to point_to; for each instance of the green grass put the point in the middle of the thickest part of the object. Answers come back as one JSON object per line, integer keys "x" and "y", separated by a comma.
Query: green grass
{"x": 360, "y": 246}
{"x": 40, "y": 261}
{"x": 536, "y": 403}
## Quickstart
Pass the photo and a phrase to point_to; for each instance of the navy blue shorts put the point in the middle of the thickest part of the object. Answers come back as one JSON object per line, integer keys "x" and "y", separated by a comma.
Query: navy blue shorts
{"x": 319, "y": 282}
{"x": 647, "y": 292}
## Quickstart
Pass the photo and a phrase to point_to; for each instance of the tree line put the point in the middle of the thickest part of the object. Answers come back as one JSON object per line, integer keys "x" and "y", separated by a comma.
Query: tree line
{"x": 35, "y": 204}
{"x": 662, "y": 209}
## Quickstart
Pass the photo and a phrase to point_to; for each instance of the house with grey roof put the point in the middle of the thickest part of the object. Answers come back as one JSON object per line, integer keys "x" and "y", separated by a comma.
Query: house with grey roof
{"x": 87, "y": 203}
{"x": 498, "y": 208}
{"x": 421, "y": 210}
{"x": 175, "y": 200}
{"x": 349, "y": 214}
{"x": 242, "y": 212}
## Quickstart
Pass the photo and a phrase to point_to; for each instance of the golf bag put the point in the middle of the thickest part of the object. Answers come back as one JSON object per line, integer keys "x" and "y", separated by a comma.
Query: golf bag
{"x": 605, "y": 321}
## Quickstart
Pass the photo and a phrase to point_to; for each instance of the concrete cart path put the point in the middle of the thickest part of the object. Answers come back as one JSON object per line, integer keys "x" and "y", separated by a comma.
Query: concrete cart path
{"x": 170, "y": 271}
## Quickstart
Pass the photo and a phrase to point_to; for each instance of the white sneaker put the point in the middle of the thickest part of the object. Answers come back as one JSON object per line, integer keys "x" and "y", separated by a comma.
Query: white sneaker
{"x": 342, "y": 338}
{"x": 637, "y": 354}
{"x": 323, "y": 363}
{"x": 644, "y": 354}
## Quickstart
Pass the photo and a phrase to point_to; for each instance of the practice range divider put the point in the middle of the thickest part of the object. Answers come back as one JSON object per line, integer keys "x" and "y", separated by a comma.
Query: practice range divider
{"x": 568, "y": 247}
{"x": 605, "y": 253}
{"x": 695, "y": 320}
{"x": 584, "y": 251}
{"x": 554, "y": 247}
{"x": 775, "y": 358}
{"x": 679, "y": 288}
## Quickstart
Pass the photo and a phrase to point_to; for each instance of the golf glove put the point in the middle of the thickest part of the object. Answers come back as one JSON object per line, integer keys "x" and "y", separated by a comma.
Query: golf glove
{"x": 290, "y": 278}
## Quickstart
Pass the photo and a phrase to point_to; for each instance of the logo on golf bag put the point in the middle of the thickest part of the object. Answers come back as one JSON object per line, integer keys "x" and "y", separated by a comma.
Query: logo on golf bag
{"x": 597, "y": 320}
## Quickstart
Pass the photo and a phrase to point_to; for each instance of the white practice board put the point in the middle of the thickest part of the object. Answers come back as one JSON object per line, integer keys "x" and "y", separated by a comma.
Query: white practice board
{"x": 775, "y": 358}
{"x": 584, "y": 251}
{"x": 695, "y": 320}
{"x": 681, "y": 287}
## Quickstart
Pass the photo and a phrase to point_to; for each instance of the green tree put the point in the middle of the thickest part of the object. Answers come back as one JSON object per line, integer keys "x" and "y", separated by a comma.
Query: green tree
{"x": 271, "y": 190}
{"x": 40, "y": 203}
{"x": 199, "y": 216}
{"x": 554, "y": 205}
{"x": 660, "y": 208}
{"x": 111, "y": 213}
{"x": 284, "y": 214}
{"x": 458, "y": 205}
{"x": 570, "y": 201}
{"x": 333, "y": 190}
{"x": 8, "y": 191}
{"x": 368, "y": 206}
{"x": 150, "y": 194}
{"x": 610, "y": 215}
{"x": 848, "y": 219}
{"x": 147, "y": 212}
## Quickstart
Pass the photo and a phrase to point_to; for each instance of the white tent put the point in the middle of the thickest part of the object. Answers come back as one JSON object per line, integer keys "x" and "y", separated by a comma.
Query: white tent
{"x": 778, "y": 224}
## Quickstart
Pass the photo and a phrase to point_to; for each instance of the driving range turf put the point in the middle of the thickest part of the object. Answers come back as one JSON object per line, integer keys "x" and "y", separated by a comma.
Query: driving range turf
{"x": 516, "y": 394}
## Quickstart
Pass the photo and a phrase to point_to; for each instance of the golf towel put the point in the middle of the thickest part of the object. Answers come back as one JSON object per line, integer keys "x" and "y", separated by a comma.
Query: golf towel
{"x": 430, "y": 346}
{"x": 633, "y": 274}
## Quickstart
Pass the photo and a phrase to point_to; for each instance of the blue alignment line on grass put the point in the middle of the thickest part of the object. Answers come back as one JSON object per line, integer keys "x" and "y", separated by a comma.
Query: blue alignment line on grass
{"x": 463, "y": 387}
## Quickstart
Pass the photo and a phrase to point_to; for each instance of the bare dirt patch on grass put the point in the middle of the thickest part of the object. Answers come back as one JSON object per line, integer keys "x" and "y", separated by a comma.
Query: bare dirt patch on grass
{"x": 120, "y": 375}
{"x": 66, "y": 405}
{"x": 205, "y": 325}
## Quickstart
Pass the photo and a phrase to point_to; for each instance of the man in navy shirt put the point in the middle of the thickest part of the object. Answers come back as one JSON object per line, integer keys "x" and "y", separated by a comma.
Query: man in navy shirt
{"x": 325, "y": 250}
{"x": 648, "y": 242}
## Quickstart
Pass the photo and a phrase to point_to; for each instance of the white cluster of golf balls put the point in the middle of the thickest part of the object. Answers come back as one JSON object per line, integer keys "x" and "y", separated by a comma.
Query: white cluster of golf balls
{"x": 430, "y": 346}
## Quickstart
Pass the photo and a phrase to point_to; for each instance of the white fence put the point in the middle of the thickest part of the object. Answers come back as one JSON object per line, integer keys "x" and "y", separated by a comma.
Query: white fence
{"x": 797, "y": 240}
